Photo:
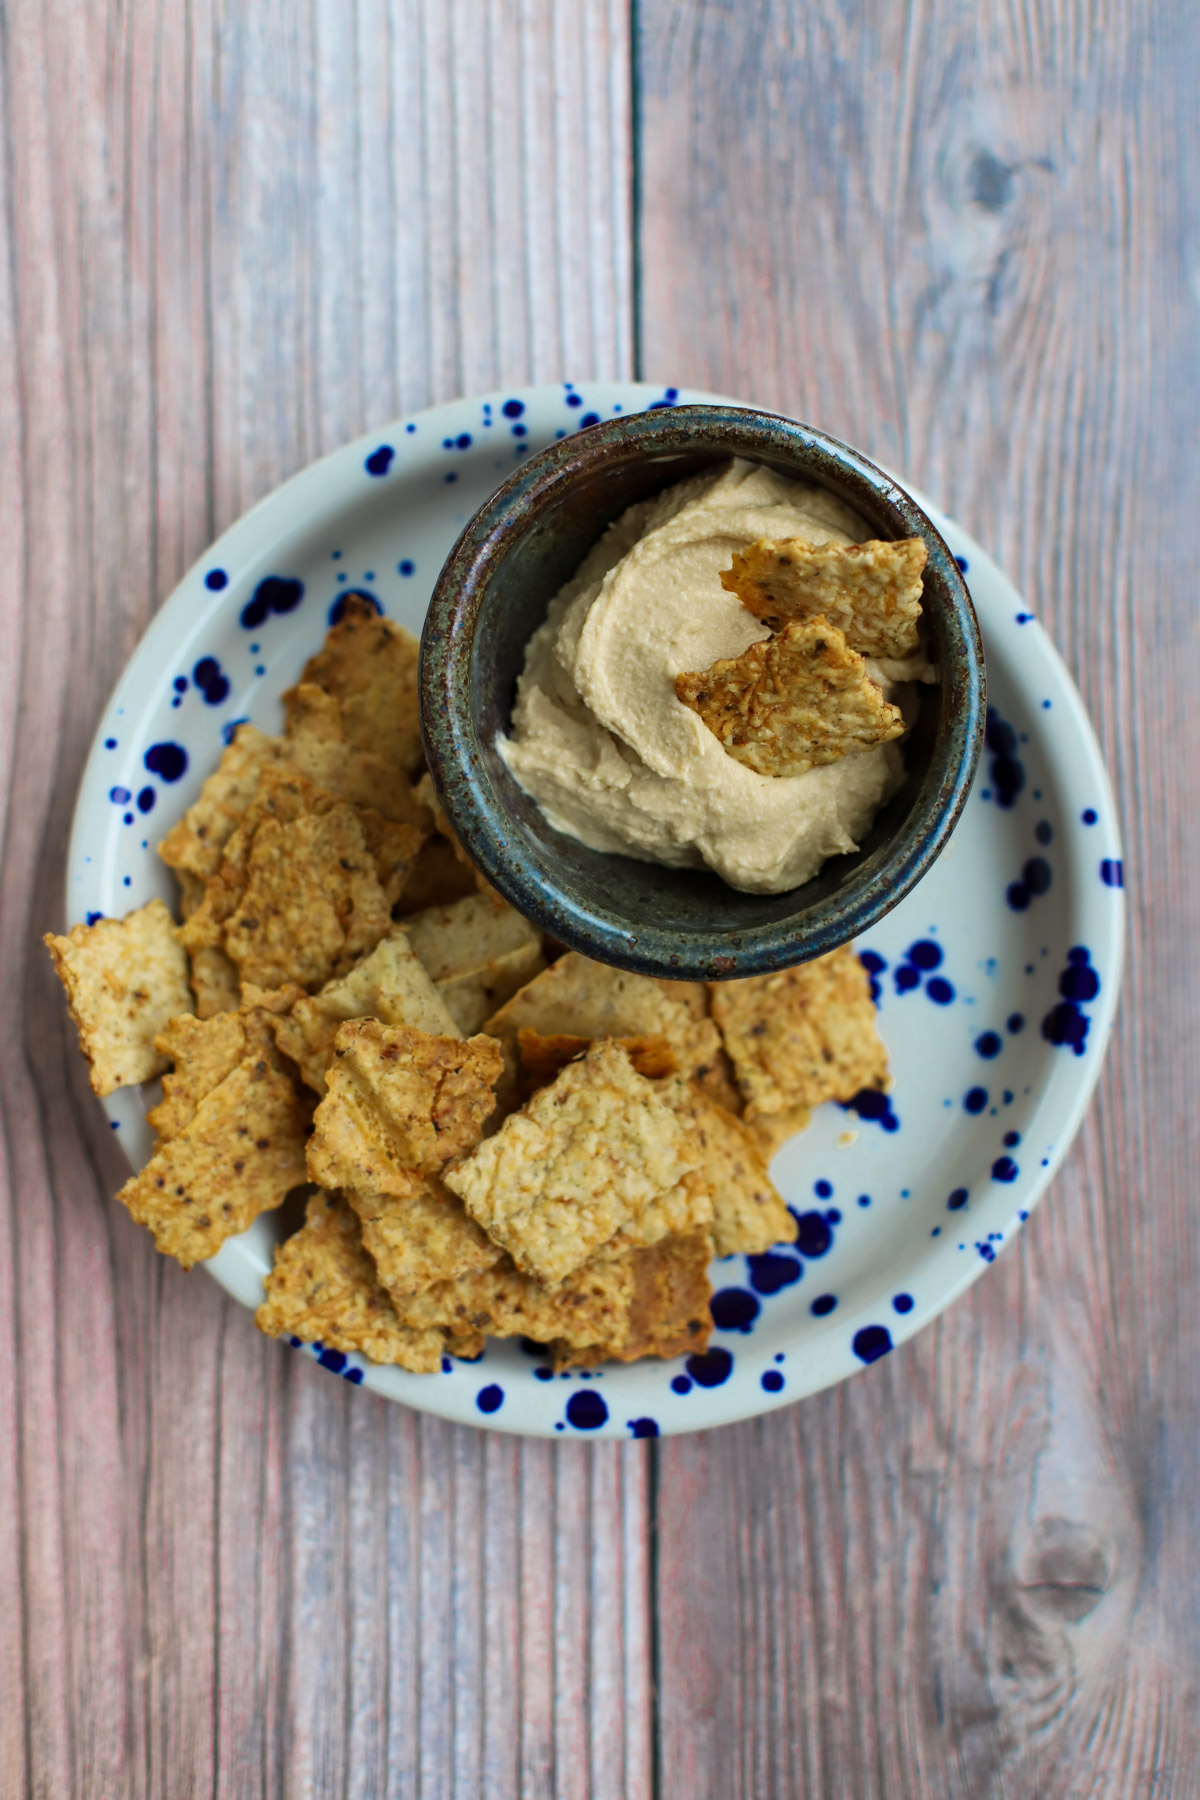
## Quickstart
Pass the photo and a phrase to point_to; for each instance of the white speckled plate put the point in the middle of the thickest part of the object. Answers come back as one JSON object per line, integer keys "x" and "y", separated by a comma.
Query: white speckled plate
{"x": 997, "y": 976}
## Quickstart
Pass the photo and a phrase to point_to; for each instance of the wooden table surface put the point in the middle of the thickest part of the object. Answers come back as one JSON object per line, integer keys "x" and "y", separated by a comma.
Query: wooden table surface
{"x": 964, "y": 236}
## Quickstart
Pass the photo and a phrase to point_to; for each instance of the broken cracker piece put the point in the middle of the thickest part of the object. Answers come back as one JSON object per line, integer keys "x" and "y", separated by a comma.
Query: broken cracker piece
{"x": 581, "y": 1159}
{"x": 543, "y": 1056}
{"x": 771, "y": 1131}
{"x": 214, "y": 981}
{"x": 389, "y": 984}
{"x": 202, "y": 1053}
{"x": 793, "y": 702}
{"x": 317, "y": 744}
{"x": 871, "y": 591}
{"x": 323, "y": 1289}
{"x": 125, "y": 979}
{"x": 479, "y": 951}
{"x": 576, "y": 997}
{"x": 438, "y": 877}
{"x": 399, "y": 1103}
{"x": 238, "y": 1155}
{"x": 748, "y": 1213}
{"x": 427, "y": 794}
{"x": 369, "y": 665}
{"x": 195, "y": 844}
{"x": 421, "y": 1237}
{"x": 503, "y": 1302}
{"x": 668, "y": 1313}
{"x": 802, "y": 1036}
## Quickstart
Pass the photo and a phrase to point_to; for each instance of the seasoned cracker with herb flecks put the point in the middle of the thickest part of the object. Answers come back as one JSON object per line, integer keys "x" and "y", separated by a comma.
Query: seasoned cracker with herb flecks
{"x": 578, "y": 1162}
{"x": 871, "y": 591}
{"x": 196, "y": 844}
{"x": 802, "y": 1036}
{"x": 240, "y": 1154}
{"x": 125, "y": 980}
{"x": 318, "y": 746}
{"x": 793, "y": 702}
{"x": 504, "y": 1302}
{"x": 543, "y": 1056}
{"x": 388, "y": 984}
{"x": 202, "y": 1052}
{"x": 478, "y": 951}
{"x": 668, "y": 1310}
{"x": 748, "y": 1214}
{"x": 399, "y": 1102}
{"x": 324, "y": 1289}
{"x": 421, "y": 1237}
{"x": 369, "y": 665}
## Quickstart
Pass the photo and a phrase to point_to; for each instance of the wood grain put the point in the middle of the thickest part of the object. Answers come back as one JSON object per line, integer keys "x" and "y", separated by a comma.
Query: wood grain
{"x": 235, "y": 236}
{"x": 965, "y": 239}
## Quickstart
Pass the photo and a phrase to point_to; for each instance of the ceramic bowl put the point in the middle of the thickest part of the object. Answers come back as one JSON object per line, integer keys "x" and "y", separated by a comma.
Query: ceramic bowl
{"x": 493, "y": 592}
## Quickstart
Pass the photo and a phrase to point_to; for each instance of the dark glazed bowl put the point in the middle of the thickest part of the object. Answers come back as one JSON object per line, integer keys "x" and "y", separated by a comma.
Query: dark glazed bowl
{"x": 493, "y": 592}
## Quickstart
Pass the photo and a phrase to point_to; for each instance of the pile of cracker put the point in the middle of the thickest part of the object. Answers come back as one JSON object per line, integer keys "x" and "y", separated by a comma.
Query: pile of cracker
{"x": 807, "y": 695}
{"x": 488, "y": 1136}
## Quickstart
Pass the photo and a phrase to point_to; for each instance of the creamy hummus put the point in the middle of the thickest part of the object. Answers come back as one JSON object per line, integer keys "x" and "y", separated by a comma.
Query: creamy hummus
{"x": 614, "y": 758}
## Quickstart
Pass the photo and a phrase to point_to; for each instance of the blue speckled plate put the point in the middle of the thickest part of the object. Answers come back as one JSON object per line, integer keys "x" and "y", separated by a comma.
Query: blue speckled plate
{"x": 997, "y": 976}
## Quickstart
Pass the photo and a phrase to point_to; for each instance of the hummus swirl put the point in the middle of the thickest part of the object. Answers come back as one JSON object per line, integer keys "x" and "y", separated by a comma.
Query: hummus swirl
{"x": 615, "y": 759}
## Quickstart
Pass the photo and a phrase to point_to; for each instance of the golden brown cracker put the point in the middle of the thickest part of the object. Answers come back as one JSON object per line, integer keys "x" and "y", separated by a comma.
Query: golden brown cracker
{"x": 748, "y": 1213}
{"x": 581, "y": 1159}
{"x": 421, "y": 1237}
{"x": 668, "y": 1313}
{"x": 771, "y": 1131}
{"x": 793, "y": 702}
{"x": 324, "y": 1289}
{"x": 195, "y": 844}
{"x": 478, "y": 951}
{"x": 504, "y": 1302}
{"x": 214, "y": 981}
{"x": 399, "y": 1102}
{"x": 125, "y": 979}
{"x": 202, "y": 1052}
{"x": 318, "y": 746}
{"x": 369, "y": 665}
{"x": 802, "y": 1036}
{"x": 871, "y": 591}
{"x": 427, "y": 795}
{"x": 388, "y": 984}
{"x": 542, "y": 1057}
{"x": 438, "y": 877}
{"x": 238, "y": 1155}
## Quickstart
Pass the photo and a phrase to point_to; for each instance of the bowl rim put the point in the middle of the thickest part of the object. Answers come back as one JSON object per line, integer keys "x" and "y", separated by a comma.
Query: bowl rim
{"x": 454, "y": 752}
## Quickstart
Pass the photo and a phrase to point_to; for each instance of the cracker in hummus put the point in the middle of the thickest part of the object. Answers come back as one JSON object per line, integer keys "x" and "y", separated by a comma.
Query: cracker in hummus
{"x": 871, "y": 591}
{"x": 581, "y": 1159}
{"x": 125, "y": 979}
{"x": 793, "y": 702}
{"x": 323, "y": 1289}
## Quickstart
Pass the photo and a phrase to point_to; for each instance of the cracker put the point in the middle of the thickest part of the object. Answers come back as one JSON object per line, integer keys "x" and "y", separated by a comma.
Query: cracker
{"x": 369, "y": 665}
{"x": 668, "y": 1313}
{"x": 748, "y": 1214}
{"x": 870, "y": 591}
{"x": 214, "y": 981}
{"x": 389, "y": 984}
{"x": 503, "y": 1302}
{"x": 438, "y": 877}
{"x": 399, "y": 1102}
{"x": 421, "y": 1237}
{"x": 542, "y": 1057}
{"x": 685, "y": 1207}
{"x": 579, "y": 1161}
{"x": 125, "y": 979}
{"x": 238, "y": 1155}
{"x": 479, "y": 951}
{"x": 318, "y": 746}
{"x": 793, "y": 702}
{"x": 576, "y": 997}
{"x": 803, "y": 1036}
{"x": 305, "y": 887}
{"x": 323, "y": 1289}
{"x": 202, "y": 1053}
{"x": 771, "y": 1131}
{"x": 195, "y": 845}
{"x": 427, "y": 795}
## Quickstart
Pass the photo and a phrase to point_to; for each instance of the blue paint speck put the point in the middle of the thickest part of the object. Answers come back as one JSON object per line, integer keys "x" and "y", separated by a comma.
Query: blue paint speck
{"x": 823, "y": 1189}
{"x": 1089, "y": 815}
{"x": 925, "y": 954}
{"x": 586, "y": 1411}
{"x": 120, "y": 796}
{"x": 407, "y": 567}
{"x": 902, "y": 1303}
{"x": 146, "y": 799}
{"x": 963, "y": 564}
{"x": 939, "y": 990}
{"x": 975, "y": 1099}
{"x": 337, "y": 611}
{"x": 1004, "y": 1169}
{"x": 957, "y": 1200}
{"x": 733, "y": 1309}
{"x": 380, "y": 461}
{"x": 711, "y": 1367}
{"x": 1043, "y": 831}
{"x": 334, "y": 1360}
{"x": 769, "y": 1272}
{"x": 643, "y": 1428}
{"x": 823, "y": 1305}
{"x": 1012, "y": 1139}
{"x": 491, "y": 1398}
{"x": 1007, "y": 772}
{"x": 168, "y": 760}
{"x": 1111, "y": 872}
{"x": 216, "y": 579}
{"x": 110, "y": 743}
{"x": 772, "y": 1381}
{"x": 211, "y": 680}
{"x": 872, "y": 1342}
{"x": 274, "y": 594}
{"x": 988, "y": 1044}
{"x": 874, "y": 1106}
{"x": 813, "y": 1235}
{"x": 1015, "y": 1022}
{"x": 512, "y": 409}
{"x": 907, "y": 978}
{"x": 93, "y": 916}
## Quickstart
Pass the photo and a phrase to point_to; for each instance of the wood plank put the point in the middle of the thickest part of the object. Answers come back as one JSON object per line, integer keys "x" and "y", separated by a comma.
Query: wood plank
{"x": 233, "y": 237}
{"x": 964, "y": 239}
